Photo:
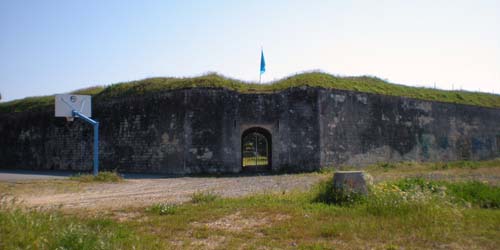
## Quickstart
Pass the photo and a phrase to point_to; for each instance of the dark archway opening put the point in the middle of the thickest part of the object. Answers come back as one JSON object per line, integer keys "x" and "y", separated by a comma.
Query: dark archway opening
{"x": 256, "y": 150}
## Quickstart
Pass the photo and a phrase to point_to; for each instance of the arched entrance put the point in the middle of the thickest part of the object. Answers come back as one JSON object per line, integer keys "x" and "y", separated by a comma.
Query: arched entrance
{"x": 256, "y": 148}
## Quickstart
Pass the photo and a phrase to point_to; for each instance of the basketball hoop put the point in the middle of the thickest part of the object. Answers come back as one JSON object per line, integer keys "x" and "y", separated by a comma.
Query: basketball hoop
{"x": 67, "y": 103}
{"x": 70, "y": 106}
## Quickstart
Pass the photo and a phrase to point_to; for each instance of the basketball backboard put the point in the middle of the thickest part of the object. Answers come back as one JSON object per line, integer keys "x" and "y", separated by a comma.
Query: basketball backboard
{"x": 66, "y": 103}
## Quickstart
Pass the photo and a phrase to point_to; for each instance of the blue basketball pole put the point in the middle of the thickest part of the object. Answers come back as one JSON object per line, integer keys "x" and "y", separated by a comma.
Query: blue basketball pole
{"x": 95, "y": 124}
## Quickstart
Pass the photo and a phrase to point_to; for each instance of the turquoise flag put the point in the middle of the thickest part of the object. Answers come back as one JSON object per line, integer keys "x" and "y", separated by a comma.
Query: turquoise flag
{"x": 262, "y": 62}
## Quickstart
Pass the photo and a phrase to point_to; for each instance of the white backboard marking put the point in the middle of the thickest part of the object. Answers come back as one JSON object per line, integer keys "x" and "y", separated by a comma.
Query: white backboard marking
{"x": 66, "y": 103}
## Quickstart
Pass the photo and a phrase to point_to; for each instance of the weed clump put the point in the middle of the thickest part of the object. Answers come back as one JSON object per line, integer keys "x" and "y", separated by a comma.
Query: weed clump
{"x": 104, "y": 176}
{"x": 389, "y": 199}
{"x": 204, "y": 197}
{"x": 326, "y": 193}
{"x": 163, "y": 209}
{"x": 419, "y": 184}
{"x": 469, "y": 193}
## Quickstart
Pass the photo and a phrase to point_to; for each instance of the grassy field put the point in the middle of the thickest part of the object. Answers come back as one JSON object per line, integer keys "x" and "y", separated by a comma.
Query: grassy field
{"x": 389, "y": 219}
{"x": 314, "y": 79}
{"x": 406, "y": 209}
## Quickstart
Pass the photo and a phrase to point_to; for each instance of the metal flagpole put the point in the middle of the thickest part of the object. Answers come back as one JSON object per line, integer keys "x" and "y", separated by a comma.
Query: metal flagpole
{"x": 260, "y": 64}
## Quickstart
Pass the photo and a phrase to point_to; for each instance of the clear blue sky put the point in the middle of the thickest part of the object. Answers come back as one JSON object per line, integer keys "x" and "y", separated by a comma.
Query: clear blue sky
{"x": 49, "y": 47}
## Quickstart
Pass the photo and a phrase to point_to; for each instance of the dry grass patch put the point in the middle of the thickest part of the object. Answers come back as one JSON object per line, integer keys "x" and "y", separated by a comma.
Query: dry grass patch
{"x": 41, "y": 187}
{"x": 237, "y": 222}
{"x": 211, "y": 242}
{"x": 123, "y": 216}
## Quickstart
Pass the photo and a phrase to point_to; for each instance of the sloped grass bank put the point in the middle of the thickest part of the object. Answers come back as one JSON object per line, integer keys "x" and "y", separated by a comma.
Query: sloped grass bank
{"x": 365, "y": 84}
{"x": 41, "y": 102}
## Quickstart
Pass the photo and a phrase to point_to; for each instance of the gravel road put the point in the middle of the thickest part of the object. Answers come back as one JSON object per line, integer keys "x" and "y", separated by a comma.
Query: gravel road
{"x": 143, "y": 192}
{"x": 15, "y": 175}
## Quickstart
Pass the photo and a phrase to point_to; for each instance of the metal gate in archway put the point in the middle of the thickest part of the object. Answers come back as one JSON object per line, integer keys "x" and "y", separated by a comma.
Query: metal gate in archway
{"x": 256, "y": 149}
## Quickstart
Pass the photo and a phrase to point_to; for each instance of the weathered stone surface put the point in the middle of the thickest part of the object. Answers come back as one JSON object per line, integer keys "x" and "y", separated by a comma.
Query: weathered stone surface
{"x": 360, "y": 129}
{"x": 352, "y": 182}
{"x": 199, "y": 130}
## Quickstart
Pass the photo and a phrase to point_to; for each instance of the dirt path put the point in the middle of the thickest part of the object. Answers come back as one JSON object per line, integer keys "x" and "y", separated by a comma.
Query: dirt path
{"x": 142, "y": 192}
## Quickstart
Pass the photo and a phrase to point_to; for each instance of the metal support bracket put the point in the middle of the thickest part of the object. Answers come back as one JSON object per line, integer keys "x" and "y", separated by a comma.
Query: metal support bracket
{"x": 95, "y": 124}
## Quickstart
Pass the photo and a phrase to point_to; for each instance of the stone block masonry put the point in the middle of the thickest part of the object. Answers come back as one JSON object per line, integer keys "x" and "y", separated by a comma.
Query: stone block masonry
{"x": 199, "y": 130}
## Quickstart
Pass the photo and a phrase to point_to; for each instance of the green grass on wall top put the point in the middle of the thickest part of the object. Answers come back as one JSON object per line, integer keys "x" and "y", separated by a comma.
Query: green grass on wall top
{"x": 365, "y": 84}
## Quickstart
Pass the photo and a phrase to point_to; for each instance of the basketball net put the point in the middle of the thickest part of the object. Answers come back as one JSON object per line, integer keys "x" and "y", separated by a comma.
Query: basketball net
{"x": 70, "y": 118}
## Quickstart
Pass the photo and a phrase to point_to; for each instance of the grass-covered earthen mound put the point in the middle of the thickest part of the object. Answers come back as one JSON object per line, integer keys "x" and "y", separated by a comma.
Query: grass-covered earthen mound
{"x": 365, "y": 84}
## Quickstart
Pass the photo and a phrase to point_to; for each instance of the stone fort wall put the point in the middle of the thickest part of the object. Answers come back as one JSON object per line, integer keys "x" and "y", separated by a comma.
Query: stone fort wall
{"x": 199, "y": 130}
